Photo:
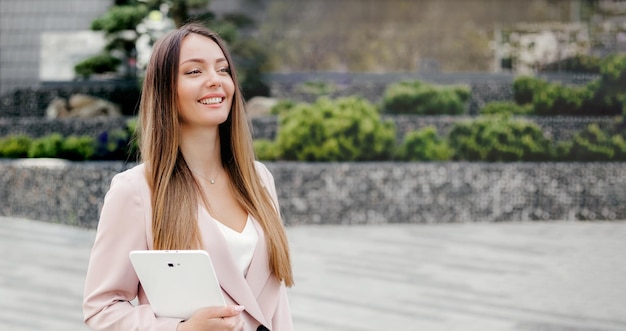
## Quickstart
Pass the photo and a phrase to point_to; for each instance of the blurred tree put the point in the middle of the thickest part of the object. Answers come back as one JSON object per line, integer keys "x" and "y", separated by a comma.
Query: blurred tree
{"x": 122, "y": 28}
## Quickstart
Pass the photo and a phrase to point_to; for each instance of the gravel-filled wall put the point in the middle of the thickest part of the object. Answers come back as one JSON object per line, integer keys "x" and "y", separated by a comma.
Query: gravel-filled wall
{"x": 353, "y": 193}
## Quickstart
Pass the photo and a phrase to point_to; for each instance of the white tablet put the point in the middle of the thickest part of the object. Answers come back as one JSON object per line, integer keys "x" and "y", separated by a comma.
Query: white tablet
{"x": 177, "y": 283}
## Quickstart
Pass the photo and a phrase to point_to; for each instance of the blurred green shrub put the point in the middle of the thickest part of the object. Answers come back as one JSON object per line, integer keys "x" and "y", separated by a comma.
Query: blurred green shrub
{"x": 505, "y": 107}
{"x": 112, "y": 145}
{"x": 346, "y": 129}
{"x": 48, "y": 146}
{"x": 605, "y": 96}
{"x": 608, "y": 92}
{"x": 119, "y": 144}
{"x": 499, "y": 138}
{"x": 593, "y": 144}
{"x": 55, "y": 146}
{"x": 282, "y": 106}
{"x": 556, "y": 99}
{"x": 120, "y": 18}
{"x": 550, "y": 99}
{"x": 419, "y": 98}
{"x": 97, "y": 64}
{"x": 77, "y": 148}
{"x": 316, "y": 88}
{"x": 424, "y": 145}
{"x": 525, "y": 87}
{"x": 15, "y": 146}
{"x": 266, "y": 150}
{"x": 588, "y": 64}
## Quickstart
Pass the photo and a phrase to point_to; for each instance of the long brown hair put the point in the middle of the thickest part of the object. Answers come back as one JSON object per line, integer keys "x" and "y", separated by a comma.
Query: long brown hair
{"x": 174, "y": 190}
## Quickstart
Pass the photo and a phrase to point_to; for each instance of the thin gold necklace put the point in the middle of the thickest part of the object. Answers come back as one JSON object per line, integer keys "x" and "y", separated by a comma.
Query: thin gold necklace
{"x": 212, "y": 181}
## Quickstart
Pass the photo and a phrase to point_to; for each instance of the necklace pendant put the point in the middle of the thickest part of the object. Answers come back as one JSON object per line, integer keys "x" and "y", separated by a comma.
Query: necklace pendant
{"x": 212, "y": 181}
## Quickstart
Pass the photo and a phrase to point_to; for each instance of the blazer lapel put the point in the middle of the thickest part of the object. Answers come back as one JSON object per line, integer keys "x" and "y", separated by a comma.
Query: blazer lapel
{"x": 229, "y": 276}
{"x": 259, "y": 269}
{"x": 264, "y": 287}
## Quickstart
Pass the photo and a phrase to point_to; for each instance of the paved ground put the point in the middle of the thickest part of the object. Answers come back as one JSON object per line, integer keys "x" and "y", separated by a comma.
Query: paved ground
{"x": 554, "y": 276}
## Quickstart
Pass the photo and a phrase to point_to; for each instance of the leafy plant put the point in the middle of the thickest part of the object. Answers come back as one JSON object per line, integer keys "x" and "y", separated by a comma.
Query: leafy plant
{"x": 602, "y": 97}
{"x": 266, "y": 150}
{"x": 48, "y": 146}
{"x": 424, "y": 145}
{"x": 112, "y": 145}
{"x": 499, "y": 138}
{"x": 593, "y": 144}
{"x": 556, "y": 99}
{"x": 122, "y": 26}
{"x": 346, "y": 129}
{"x": 16, "y": 146}
{"x": 505, "y": 107}
{"x": 579, "y": 63}
{"x": 282, "y": 107}
{"x": 98, "y": 64}
{"x": 77, "y": 148}
{"x": 525, "y": 88}
{"x": 316, "y": 88}
{"x": 609, "y": 96}
{"x": 416, "y": 97}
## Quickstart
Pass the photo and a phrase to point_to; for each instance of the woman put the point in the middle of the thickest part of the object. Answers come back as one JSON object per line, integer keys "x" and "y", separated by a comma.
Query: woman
{"x": 198, "y": 187}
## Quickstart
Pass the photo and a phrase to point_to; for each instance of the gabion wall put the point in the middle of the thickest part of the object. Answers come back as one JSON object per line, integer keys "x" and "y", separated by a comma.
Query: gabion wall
{"x": 353, "y": 193}
{"x": 39, "y": 127}
{"x": 32, "y": 102}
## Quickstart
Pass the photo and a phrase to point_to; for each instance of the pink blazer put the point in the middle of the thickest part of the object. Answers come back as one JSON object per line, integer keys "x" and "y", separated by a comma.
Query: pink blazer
{"x": 125, "y": 225}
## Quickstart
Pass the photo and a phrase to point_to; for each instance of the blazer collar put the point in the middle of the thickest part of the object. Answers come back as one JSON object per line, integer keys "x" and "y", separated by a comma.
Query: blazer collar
{"x": 244, "y": 291}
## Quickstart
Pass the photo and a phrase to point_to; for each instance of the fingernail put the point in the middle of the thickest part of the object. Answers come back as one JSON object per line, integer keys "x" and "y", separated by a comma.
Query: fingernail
{"x": 239, "y": 308}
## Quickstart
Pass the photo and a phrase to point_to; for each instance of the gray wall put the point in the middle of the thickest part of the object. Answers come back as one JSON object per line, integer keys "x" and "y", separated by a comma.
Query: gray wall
{"x": 21, "y": 24}
{"x": 354, "y": 193}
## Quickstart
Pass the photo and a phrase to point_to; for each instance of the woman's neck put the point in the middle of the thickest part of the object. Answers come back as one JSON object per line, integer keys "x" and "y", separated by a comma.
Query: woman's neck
{"x": 201, "y": 149}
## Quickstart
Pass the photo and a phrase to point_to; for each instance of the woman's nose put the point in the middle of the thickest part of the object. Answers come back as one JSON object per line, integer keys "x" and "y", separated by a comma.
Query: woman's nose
{"x": 213, "y": 79}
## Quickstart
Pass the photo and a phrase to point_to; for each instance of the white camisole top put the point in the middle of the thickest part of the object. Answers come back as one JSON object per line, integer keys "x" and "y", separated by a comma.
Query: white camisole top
{"x": 241, "y": 245}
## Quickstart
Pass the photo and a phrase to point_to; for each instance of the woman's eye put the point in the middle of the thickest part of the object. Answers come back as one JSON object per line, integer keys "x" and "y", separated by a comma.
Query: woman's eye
{"x": 194, "y": 71}
{"x": 224, "y": 70}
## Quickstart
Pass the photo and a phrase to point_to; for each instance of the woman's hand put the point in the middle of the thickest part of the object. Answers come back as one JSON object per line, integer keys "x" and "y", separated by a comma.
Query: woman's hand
{"x": 226, "y": 318}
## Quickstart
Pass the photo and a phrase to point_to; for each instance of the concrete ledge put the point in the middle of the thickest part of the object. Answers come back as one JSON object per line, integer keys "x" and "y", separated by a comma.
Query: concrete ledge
{"x": 353, "y": 193}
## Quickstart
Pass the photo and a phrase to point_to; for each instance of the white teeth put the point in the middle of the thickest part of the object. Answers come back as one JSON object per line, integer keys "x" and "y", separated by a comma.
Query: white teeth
{"x": 211, "y": 101}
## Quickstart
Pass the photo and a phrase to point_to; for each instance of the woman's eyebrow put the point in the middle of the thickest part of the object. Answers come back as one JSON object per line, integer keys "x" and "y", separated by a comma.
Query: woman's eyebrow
{"x": 200, "y": 60}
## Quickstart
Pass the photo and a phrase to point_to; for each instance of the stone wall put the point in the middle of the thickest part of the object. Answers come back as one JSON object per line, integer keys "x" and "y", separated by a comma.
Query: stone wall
{"x": 38, "y": 127}
{"x": 32, "y": 102}
{"x": 353, "y": 193}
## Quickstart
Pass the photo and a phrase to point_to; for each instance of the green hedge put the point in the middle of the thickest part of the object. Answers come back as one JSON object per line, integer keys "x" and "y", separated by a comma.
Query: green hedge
{"x": 605, "y": 96}
{"x": 424, "y": 145}
{"x": 419, "y": 98}
{"x": 114, "y": 145}
{"x": 593, "y": 144}
{"x": 350, "y": 129}
{"x": 97, "y": 64}
{"x": 505, "y": 107}
{"x": 346, "y": 129}
{"x": 499, "y": 138}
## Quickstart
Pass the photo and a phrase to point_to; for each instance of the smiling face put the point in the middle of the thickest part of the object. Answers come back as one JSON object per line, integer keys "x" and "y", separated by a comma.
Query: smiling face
{"x": 205, "y": 87}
